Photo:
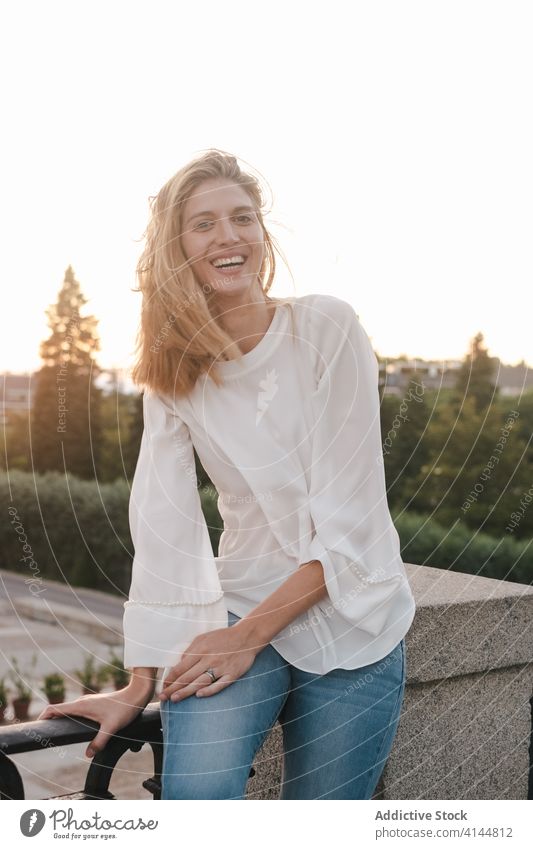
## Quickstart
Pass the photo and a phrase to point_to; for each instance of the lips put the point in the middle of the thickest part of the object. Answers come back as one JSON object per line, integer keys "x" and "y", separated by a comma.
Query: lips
{"x": 227, "y": 268}
{"x": 229, "y": 256}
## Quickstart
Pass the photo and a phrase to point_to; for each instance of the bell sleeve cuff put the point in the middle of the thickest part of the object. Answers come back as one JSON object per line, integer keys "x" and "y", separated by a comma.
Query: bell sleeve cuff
{"x": 364, "y": 601}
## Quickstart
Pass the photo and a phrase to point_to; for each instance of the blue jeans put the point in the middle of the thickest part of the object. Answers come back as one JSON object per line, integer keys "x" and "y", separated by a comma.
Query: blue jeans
{"x": 338, "y": 730}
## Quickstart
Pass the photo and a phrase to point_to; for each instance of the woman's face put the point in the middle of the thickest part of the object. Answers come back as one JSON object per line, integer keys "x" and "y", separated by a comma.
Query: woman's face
{"x": 219, "y": 223}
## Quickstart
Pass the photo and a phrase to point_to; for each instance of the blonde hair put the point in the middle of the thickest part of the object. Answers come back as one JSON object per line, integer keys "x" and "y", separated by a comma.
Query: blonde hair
{"x": 179, "y": 337}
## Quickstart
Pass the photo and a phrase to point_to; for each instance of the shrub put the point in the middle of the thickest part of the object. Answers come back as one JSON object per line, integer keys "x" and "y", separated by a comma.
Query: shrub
{"x": 427, "y": 543}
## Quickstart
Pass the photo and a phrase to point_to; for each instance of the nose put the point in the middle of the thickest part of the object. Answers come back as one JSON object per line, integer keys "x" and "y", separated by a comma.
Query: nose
{"x": 225, "y": 232}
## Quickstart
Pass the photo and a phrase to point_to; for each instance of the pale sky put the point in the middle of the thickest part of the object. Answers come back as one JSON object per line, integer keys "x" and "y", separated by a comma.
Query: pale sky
{"x": 396, "y": 139}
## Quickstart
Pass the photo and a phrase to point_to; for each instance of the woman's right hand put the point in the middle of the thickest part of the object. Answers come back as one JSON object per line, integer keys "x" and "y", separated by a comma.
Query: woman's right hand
{"x": 112, "y": 710}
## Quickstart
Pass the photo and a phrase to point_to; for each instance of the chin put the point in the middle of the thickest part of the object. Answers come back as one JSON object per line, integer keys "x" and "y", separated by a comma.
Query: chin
{"x": 232, "y": 287}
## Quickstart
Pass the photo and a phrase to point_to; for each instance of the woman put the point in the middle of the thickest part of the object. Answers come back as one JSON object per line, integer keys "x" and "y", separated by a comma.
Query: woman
{"x": 301, "y": 617}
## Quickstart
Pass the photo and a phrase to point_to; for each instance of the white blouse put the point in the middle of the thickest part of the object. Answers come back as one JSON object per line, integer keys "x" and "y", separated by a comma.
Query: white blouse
{"x": 292, "y": 442}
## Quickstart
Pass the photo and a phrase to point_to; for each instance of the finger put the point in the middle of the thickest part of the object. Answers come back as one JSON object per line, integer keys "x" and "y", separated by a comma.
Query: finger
{"x": 184, "y": 677}
{"x": 45, "y": 714}
{"x": 190, "y": 689}
{"x": 98, "y": 743}
{"x": 74, "y": 708}
{"x": 184, "y": 681}
{"x": 54, "y": 710}
{"x": 200, "y": 681}
{"x": 179, "y": 684}
{"x": 211, "y": 689}
{"x": 46, "y": 711}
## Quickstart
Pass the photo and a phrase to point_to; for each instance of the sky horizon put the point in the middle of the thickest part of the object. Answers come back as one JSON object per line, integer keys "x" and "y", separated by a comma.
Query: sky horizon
{"x": 413, "y": 355}
{"x": 393, "y": 142}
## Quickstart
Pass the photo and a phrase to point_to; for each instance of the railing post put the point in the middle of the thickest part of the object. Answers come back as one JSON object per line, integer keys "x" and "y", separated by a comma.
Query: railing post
{"x": 11, "y": 786}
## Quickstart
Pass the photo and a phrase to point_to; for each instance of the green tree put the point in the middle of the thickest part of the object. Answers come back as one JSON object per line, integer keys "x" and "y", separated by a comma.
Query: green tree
{"x": 135, "y": 432}
{"x": 132, "y": 445}
{"x": 474, "y": 468}
{"x": 475, "y": 378}
{"x": 121, "y": 440}
{"x": 404, "y": 427}
{"x": 15, "y": 437}
{"x": 65, "y": 417}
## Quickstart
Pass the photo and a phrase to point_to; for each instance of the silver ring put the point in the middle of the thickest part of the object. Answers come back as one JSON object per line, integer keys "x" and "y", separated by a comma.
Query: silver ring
{"x": 212, "y": 674}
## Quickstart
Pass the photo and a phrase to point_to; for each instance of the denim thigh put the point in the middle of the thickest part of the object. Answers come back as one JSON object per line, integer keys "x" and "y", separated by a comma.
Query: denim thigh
{"x": 209, "y": 744}
{"x": 338, "y": 728}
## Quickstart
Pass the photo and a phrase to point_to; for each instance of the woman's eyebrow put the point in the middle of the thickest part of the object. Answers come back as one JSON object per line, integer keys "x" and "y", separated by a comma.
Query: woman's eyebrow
{"x": 209, "y": 212}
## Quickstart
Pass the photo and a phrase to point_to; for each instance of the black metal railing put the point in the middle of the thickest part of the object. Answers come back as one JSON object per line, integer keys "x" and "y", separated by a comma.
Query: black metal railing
{"x": 66, "y": 731}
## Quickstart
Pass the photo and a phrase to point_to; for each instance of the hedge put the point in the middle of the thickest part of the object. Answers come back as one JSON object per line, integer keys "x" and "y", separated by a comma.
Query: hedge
{"x": 63, "y": 528}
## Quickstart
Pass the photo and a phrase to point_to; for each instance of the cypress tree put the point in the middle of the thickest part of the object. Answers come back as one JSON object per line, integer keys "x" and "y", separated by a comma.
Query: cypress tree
{"x": 65, "y": 417}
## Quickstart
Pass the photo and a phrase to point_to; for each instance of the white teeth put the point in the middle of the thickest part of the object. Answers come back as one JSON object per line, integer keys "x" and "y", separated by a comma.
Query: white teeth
{"x": 218, "y": 263}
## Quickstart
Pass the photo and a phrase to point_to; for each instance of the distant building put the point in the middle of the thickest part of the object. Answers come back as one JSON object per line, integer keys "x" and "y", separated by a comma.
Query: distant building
{"x": 395, "y": 375}
{"x": 17, "y": 390}
{"x": 116, "y": 377}
{"x": 513, "y": 380}
{"x": 15, "y": 394}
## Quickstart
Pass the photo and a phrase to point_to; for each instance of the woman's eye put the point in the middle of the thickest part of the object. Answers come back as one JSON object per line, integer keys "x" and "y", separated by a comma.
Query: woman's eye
{"x": 241, "y": 219}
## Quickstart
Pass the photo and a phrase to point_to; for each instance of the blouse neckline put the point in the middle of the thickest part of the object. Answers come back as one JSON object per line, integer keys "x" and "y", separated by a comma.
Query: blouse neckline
{"x": 267, "y": 343}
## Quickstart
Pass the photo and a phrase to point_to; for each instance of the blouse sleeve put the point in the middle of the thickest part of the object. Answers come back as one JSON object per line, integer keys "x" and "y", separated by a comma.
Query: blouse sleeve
{"x": 354, "y": 537}
{"x": 175, "y": 593}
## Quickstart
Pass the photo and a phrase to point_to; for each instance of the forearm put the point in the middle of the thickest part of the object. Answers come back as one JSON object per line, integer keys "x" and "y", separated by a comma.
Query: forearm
{"x": 296, "y": 595}
{"x": 142, "y": 682}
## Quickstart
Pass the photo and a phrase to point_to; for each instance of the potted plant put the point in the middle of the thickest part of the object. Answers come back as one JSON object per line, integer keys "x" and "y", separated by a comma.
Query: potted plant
{"x": 91, "y": 678}
{"x": 116, "y": 671}
{"x": 21, "y": 703}
{"x": 3, "y": 698}
{"x": 54, "y": 688}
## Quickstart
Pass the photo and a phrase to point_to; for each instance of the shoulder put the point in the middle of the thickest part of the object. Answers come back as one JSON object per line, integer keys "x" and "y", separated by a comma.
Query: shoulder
{"x": 321, "y": 307}
{"x": 328, "y": 325}
{"x": 162, "y": 411}
{"x": 325, "y": 317}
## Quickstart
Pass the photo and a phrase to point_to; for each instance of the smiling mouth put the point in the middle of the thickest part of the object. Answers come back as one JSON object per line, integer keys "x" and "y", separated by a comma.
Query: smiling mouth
{"x": 229, "y": 266}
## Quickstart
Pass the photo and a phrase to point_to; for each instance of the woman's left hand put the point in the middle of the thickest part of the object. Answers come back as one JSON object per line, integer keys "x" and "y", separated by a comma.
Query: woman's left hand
{"x": 227, "y": 651}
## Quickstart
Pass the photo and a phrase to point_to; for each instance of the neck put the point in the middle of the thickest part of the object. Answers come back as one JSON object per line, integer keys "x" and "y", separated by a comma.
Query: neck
{"x": 245, "y": 317}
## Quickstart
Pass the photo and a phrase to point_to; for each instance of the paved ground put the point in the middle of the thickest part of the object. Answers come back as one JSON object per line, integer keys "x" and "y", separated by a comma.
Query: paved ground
{"x": 51, "y": 772}
{"x": 12, "y": 585}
